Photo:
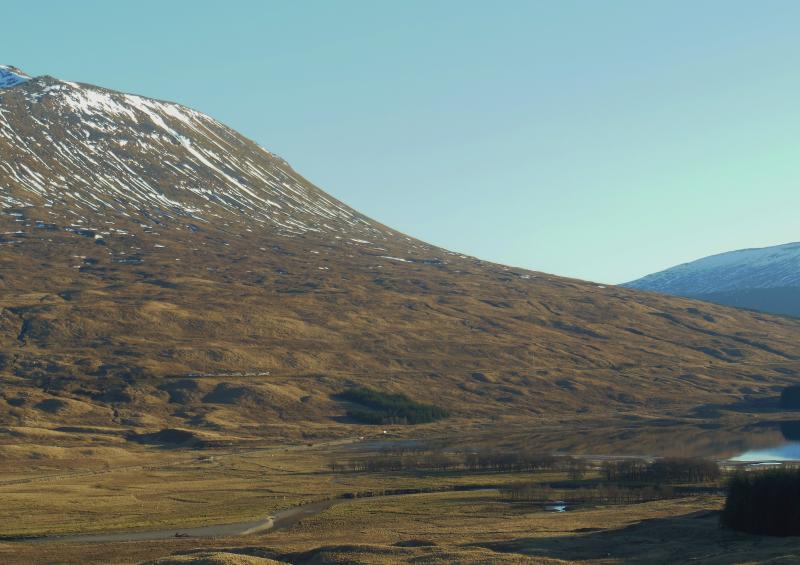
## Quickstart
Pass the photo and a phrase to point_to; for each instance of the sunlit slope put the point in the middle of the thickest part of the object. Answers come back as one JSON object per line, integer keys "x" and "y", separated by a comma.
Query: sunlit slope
{"x": 144, "y": 245}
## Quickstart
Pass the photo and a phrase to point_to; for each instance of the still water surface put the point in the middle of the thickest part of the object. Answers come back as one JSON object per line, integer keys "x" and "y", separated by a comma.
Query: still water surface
{"x": 789, "y": 451}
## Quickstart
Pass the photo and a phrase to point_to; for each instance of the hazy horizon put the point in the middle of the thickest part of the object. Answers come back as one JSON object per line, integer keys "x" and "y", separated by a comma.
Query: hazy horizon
{"x": 602, "y": 142}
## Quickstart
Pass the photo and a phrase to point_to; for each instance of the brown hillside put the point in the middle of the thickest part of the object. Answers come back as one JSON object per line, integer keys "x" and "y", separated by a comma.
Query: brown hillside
{"x": 160, "y": 271}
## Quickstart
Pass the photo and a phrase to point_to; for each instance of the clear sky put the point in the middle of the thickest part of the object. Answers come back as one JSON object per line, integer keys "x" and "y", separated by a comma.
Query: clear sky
{"x": 598, "y": 139}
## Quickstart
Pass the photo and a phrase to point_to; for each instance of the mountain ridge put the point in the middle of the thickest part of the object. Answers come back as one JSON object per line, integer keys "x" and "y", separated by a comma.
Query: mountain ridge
{"x": 766, "y": 279}
{"x": 11, "y": 76}
{"x": 161, "y": 289}
{"x": 205, "y": 182}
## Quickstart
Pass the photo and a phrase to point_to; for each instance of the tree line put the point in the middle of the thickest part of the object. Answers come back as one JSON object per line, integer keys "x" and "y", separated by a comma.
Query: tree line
{"x": 666, "y": 470}
{"x": 419, "y": 460}
{"x": 600, "y": 494}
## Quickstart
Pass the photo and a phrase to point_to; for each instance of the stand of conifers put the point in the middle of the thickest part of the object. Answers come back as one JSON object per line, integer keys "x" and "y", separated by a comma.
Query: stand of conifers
{"x": 764, "y": 502}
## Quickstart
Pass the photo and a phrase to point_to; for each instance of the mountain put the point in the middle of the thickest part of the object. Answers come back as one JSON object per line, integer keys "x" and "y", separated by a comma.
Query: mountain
{"x": 766, "y": 279}
{"x": 11, "y": 76}
{"x": 160, "y": 270}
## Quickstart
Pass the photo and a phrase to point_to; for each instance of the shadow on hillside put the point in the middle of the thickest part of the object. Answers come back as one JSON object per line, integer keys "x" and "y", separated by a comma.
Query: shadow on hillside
{"x": 168, "y": 438}
{"x": 692, "y": 537}
{"x": 766, "y": 405}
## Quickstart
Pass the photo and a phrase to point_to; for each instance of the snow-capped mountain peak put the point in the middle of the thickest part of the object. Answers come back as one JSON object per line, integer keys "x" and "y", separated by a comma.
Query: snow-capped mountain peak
{"x": 767, "y": 267}
{"x": 766, "y": 279}
{"x": 11, "y": 76}
{"x": 159, "y": 160}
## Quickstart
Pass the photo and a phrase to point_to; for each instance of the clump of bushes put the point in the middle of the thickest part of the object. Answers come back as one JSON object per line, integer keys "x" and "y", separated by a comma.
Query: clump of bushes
{"x": 383, "y": 408}
{"x": 790, "y": 398}
{"x": 764, "y": 503}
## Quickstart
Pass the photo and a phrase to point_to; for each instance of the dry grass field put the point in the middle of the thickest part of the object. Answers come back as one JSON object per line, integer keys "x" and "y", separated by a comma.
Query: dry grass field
{"x": 464, "y": 527}
{"x": 90, "y": 479}
{"x": 152, "y": 489}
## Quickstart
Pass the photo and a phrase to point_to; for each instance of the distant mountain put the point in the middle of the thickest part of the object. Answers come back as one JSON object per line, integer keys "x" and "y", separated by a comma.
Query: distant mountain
{"x": 766, "y": 279}
{"x": 159, "y": 270}
{"x": 11, "y": 76}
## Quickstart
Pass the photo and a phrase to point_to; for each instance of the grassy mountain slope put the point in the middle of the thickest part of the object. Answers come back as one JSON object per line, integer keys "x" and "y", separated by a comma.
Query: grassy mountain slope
{"x": 187, "y": 278}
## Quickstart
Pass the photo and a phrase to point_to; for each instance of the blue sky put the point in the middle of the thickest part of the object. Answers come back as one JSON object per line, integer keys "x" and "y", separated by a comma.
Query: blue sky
{"x": 601, "y": 140}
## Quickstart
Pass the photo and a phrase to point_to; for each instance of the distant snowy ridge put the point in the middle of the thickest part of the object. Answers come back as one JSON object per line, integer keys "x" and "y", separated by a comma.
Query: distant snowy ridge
{"x": 11, "y": 76}
{"x": 762, "y": 268}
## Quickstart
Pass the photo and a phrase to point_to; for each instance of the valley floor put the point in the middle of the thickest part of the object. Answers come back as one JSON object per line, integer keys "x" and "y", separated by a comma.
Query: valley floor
{"x": 143, "y": 489}
{"x": 463, "y": 527}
